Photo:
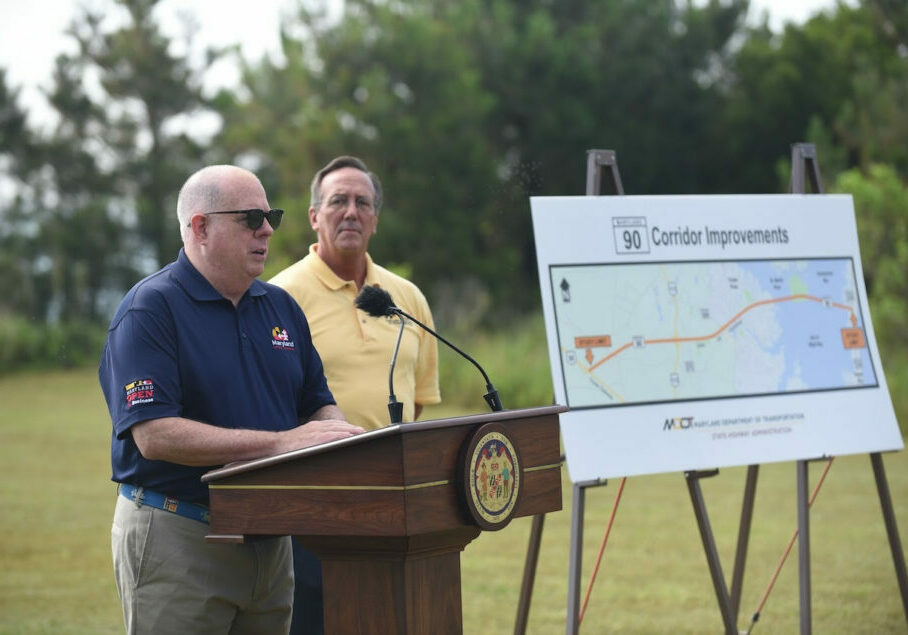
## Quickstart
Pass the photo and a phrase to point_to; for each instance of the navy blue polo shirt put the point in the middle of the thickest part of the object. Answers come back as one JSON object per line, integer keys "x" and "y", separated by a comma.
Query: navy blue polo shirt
{"x": 177, "y": 348}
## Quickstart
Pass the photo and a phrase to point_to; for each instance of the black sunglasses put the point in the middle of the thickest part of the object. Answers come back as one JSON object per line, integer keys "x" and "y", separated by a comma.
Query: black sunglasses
{"x": 255, "y": 217}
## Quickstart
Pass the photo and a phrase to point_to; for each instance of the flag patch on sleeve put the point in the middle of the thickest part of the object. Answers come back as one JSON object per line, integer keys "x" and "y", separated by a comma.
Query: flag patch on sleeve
{"x": 138, "y": 392}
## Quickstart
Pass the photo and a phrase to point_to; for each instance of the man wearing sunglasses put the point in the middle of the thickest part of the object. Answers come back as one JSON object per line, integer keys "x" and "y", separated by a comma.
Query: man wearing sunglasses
{"x": 355, "y": 348}
{"x": 204, "y": 365}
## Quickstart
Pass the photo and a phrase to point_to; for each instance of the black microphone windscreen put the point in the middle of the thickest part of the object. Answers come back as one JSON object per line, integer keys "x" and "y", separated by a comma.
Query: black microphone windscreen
{"x": 374, "y": 301}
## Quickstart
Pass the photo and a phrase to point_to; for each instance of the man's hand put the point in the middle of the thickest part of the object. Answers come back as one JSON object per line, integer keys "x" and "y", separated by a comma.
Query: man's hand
{"x": 315, "y": 432}
{"x": 191, "y": 442}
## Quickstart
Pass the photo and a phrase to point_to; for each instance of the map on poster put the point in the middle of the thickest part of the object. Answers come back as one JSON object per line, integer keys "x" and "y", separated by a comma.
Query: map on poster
{"x": 694, "y": 332}
{"x": 656, "y": 332}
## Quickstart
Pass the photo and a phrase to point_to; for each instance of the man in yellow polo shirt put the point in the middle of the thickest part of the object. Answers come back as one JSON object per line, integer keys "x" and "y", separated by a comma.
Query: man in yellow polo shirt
{"x": 355, "y": 349}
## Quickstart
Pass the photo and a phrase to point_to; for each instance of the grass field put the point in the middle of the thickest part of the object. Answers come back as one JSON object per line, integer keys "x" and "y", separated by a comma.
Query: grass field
{"x": 57, "y": 500}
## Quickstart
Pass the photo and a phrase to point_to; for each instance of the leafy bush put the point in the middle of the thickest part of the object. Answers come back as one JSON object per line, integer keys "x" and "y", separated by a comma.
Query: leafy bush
{"x": 896, "y": 367}
{"x": 26, "y": 344}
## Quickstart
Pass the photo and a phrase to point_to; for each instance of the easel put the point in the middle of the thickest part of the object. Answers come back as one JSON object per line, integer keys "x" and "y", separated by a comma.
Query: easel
{"x": 804, "y": 167}
{"x": 598, "y": 161}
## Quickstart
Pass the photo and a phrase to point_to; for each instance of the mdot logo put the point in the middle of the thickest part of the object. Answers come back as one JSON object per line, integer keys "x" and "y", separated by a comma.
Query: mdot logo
{"x": 677, "y": 423}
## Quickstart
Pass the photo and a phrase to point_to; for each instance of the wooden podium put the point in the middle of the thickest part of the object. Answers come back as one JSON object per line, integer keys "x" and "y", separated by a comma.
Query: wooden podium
{"x": 389, "y": 511}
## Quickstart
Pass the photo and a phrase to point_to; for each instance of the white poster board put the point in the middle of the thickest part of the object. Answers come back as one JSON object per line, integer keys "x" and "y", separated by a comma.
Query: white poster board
{"x": 695, "y": 332}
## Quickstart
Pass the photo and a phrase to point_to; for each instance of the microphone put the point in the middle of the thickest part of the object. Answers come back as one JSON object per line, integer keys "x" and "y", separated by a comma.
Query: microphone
{"x": 377, "y": 302}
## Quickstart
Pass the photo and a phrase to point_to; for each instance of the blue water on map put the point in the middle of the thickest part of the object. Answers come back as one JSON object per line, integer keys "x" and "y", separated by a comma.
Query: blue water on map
{"x": 811, "y": 331}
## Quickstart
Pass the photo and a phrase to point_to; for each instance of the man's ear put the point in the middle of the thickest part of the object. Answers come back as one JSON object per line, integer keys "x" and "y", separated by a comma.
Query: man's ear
{"x": 198, "y": 225}
{"x": 313, "y": 223}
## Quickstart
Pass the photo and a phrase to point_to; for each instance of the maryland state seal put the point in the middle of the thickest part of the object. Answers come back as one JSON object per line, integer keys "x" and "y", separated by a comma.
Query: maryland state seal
{"x": 491, "y": 477}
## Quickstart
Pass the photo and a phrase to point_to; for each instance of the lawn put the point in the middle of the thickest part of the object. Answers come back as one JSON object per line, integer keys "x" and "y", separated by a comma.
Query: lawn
{"x": 57, "y": 502}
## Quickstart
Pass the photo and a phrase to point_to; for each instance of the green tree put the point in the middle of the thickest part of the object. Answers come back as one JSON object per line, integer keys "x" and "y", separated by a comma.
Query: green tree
{"x": 96, "y": 196}
{"x": 838, "y": 80}
{"x": 637, "y": 77}
{"x": 465, "y": 108}
{"x": 873, "y": 124}
{"x": 146, "y": 88}
{"x": 18, "y": 159}
{"x": 880, "y": 199}
{"x": 79, "y": 234}
{"x": 394, "y": 85}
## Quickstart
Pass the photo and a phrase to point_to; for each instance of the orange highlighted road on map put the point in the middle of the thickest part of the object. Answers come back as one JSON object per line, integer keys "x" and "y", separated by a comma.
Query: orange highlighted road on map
{"x": 853, "y": 338}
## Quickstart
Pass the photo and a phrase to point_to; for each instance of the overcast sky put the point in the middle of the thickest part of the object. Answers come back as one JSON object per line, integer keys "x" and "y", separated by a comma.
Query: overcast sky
{"x": 31, "y": 32}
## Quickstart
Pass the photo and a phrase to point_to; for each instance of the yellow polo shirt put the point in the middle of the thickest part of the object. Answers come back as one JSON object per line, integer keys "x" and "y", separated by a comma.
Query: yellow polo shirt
{"x": 356, "y": 348}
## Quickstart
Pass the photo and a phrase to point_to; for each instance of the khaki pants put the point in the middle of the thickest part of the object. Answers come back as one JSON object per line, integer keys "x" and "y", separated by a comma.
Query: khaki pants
{"x": 171, "y": 581}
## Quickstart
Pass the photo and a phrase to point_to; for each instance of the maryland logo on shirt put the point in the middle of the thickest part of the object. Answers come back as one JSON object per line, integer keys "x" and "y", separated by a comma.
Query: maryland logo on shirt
{"x": 281, "y": 340}
{"x": 138, "y": 392}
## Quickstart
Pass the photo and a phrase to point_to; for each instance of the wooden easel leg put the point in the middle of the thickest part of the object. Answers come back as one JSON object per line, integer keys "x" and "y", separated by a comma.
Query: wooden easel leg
{"x": 747, "y": 512}
{"x": 804, "y": 546}
{"x": 709, "y": 546}
{"x": 578, "y": 504}
{"x": 576, "y": 562}
{"x": 892, "y": 530}
{"x": 529, "y": 575}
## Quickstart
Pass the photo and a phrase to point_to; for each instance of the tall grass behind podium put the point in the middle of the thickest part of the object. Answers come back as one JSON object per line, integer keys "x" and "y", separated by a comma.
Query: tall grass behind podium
{"x": 515, "y": 357}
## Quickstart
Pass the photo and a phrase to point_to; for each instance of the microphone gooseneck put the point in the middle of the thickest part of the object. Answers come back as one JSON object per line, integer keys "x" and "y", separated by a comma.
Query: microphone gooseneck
{"x": 395, "y": 408}
{"x": 377, "y": 302}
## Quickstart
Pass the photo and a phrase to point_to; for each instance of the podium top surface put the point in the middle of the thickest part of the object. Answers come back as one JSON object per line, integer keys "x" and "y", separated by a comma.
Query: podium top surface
{"x": 240, "y": 467}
